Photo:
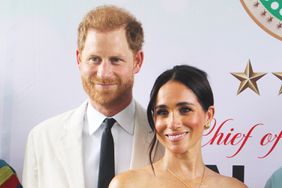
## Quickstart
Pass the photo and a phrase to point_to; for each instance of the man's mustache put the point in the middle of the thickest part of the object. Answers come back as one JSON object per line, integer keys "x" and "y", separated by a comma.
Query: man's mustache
{"x": 104, "y": 80}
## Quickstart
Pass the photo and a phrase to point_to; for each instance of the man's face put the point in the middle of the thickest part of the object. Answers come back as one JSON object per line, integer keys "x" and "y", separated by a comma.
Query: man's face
{"x": 107, "y": 67}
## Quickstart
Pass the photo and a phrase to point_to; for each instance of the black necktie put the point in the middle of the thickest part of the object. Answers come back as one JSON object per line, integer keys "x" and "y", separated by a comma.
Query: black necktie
{"x": 107, "y": 157}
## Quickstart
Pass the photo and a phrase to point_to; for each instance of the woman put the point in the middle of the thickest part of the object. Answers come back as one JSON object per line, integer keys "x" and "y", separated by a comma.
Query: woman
{"x": 180, "y": 108}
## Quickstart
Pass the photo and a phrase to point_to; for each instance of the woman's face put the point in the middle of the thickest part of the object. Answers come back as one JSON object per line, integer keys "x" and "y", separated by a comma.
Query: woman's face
{"x": 179, "y": 118}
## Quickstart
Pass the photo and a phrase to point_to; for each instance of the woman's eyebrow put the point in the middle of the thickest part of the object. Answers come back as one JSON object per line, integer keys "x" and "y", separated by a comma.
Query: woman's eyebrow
{"x": 184, "y": 104}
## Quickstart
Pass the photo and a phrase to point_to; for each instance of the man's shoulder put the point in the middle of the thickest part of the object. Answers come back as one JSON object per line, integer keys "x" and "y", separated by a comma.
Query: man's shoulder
{"x": 140, "y": 113}
{"x": 139, "y": 107}
{"x": 59, "y": 122}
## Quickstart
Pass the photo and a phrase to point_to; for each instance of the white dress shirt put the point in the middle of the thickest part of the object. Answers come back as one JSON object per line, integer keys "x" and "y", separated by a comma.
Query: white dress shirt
{"x": 122, "y": 132}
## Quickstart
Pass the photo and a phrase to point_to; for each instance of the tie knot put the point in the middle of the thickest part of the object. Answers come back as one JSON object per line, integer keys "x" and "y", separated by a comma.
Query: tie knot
{"x": 109, "y": 122}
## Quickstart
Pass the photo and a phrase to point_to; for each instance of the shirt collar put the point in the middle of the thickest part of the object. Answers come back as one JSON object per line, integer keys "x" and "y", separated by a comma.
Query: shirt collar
{"x": 125, "y": 118}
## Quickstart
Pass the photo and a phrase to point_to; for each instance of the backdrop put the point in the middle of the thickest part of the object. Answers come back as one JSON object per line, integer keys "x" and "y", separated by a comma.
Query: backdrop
{"x": 39, "y": 77}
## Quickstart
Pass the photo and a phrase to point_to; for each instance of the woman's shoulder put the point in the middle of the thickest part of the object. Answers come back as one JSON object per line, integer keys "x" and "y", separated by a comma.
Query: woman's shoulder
{"x": 225, "y": 181}
{"x": 132, "y": 178}
{"x": 234, "y": 183}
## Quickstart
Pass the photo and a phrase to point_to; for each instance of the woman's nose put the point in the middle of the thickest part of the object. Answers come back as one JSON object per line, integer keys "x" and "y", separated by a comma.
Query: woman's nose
{"x": 174, "y": 121}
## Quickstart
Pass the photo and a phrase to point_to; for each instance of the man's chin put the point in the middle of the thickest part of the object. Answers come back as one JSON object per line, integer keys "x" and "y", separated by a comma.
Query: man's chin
{"x": 104, "y": 99}
{"x": 106, "y": 103}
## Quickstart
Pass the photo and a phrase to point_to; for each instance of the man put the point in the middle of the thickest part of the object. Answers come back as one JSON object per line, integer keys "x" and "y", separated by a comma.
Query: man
{"x": 64, "y": 151}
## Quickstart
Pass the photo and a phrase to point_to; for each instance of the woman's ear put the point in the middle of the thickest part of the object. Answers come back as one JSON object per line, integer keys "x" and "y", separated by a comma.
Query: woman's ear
{"x": 210, "y": 115}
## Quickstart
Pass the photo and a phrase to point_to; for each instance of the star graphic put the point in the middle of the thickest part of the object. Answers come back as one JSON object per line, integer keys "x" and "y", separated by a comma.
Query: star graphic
{"x": 278, "y": 75}
{"x": 248, "y": 79}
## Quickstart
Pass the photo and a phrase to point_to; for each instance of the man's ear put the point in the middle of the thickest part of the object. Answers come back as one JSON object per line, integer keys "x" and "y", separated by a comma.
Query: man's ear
{"x": 138, "y": 61}
{"x": 78, "y": 57}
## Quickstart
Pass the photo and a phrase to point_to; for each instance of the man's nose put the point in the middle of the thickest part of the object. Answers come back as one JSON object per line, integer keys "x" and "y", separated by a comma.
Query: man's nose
{"x": 104, "y": 69}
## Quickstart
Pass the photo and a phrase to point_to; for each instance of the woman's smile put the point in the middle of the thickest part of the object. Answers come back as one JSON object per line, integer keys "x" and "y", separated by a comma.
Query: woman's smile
{"x": 177, "y": 136}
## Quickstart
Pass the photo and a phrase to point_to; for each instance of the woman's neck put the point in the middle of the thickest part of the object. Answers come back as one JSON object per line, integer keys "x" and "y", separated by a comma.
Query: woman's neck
{"x": 189, "y": 164}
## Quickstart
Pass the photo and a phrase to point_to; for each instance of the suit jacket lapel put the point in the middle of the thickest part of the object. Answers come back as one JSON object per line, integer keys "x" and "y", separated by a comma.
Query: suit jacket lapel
{"x": 141, "y": 140}
{"x": 70, "y": 148}
{"x": 143, "y": 136}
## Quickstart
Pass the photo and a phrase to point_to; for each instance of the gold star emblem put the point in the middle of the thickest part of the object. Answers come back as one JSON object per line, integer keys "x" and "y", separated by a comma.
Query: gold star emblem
{"x": 248, "y": 79}
{"x": 278, "y": 75}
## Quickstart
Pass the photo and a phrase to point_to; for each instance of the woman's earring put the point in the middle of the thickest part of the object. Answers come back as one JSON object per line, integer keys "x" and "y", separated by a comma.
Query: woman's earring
{"x": 207, "y": 125}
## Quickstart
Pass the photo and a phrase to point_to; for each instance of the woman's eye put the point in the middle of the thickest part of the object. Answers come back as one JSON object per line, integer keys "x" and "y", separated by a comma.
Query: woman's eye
{"x": 184, "y": 110}
{"x": 161, "y": 112}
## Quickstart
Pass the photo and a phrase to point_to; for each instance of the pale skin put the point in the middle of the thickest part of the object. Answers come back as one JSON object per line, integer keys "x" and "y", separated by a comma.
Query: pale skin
{"x": 179, "y": 121}
{"x": 107, "y": 67}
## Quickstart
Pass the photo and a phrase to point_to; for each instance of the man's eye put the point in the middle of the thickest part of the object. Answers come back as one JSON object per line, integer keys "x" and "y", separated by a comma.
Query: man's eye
{"x": 94, "y": 60}
{"x": 184, "y": 110}
{"x": 115, "y": 60}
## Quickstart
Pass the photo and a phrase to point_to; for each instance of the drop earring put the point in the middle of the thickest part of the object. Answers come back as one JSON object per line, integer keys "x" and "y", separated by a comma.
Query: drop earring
{"x": 207, "y": 125}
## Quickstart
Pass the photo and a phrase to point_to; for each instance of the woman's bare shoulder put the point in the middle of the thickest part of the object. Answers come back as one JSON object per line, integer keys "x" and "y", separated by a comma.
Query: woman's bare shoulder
{"x": 132, "y": 178}
{"x": 234, "y": 183}
{"x": 224, "y": 181}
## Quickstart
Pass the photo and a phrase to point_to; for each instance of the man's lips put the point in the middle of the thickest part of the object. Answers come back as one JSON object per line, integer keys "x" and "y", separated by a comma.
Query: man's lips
{"x": 175, "y": 137}
{"x": 105, "y": 84}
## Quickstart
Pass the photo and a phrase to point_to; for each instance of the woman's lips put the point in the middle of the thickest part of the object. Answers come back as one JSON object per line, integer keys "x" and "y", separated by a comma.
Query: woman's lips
{"x": 175, "y": 137}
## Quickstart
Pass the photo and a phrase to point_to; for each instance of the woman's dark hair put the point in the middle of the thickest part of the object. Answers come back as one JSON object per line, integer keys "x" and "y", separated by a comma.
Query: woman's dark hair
{"x": 193, "y": 78}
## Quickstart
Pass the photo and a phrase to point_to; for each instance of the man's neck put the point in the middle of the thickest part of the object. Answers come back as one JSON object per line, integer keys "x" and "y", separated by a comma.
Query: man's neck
{"x": 113, "y": 108}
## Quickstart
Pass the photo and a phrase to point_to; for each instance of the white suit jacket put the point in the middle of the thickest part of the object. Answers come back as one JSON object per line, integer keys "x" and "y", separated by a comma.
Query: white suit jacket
{"x": 54, "y": 155}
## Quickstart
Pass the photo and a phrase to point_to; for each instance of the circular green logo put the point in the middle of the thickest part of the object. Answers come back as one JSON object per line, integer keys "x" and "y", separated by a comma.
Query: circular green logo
{"x": 267, "y": 14}
{"x": 274, "y": 7}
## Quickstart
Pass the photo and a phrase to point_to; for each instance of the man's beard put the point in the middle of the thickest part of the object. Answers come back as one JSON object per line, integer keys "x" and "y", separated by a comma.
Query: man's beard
{"x": 107, "y": 97}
